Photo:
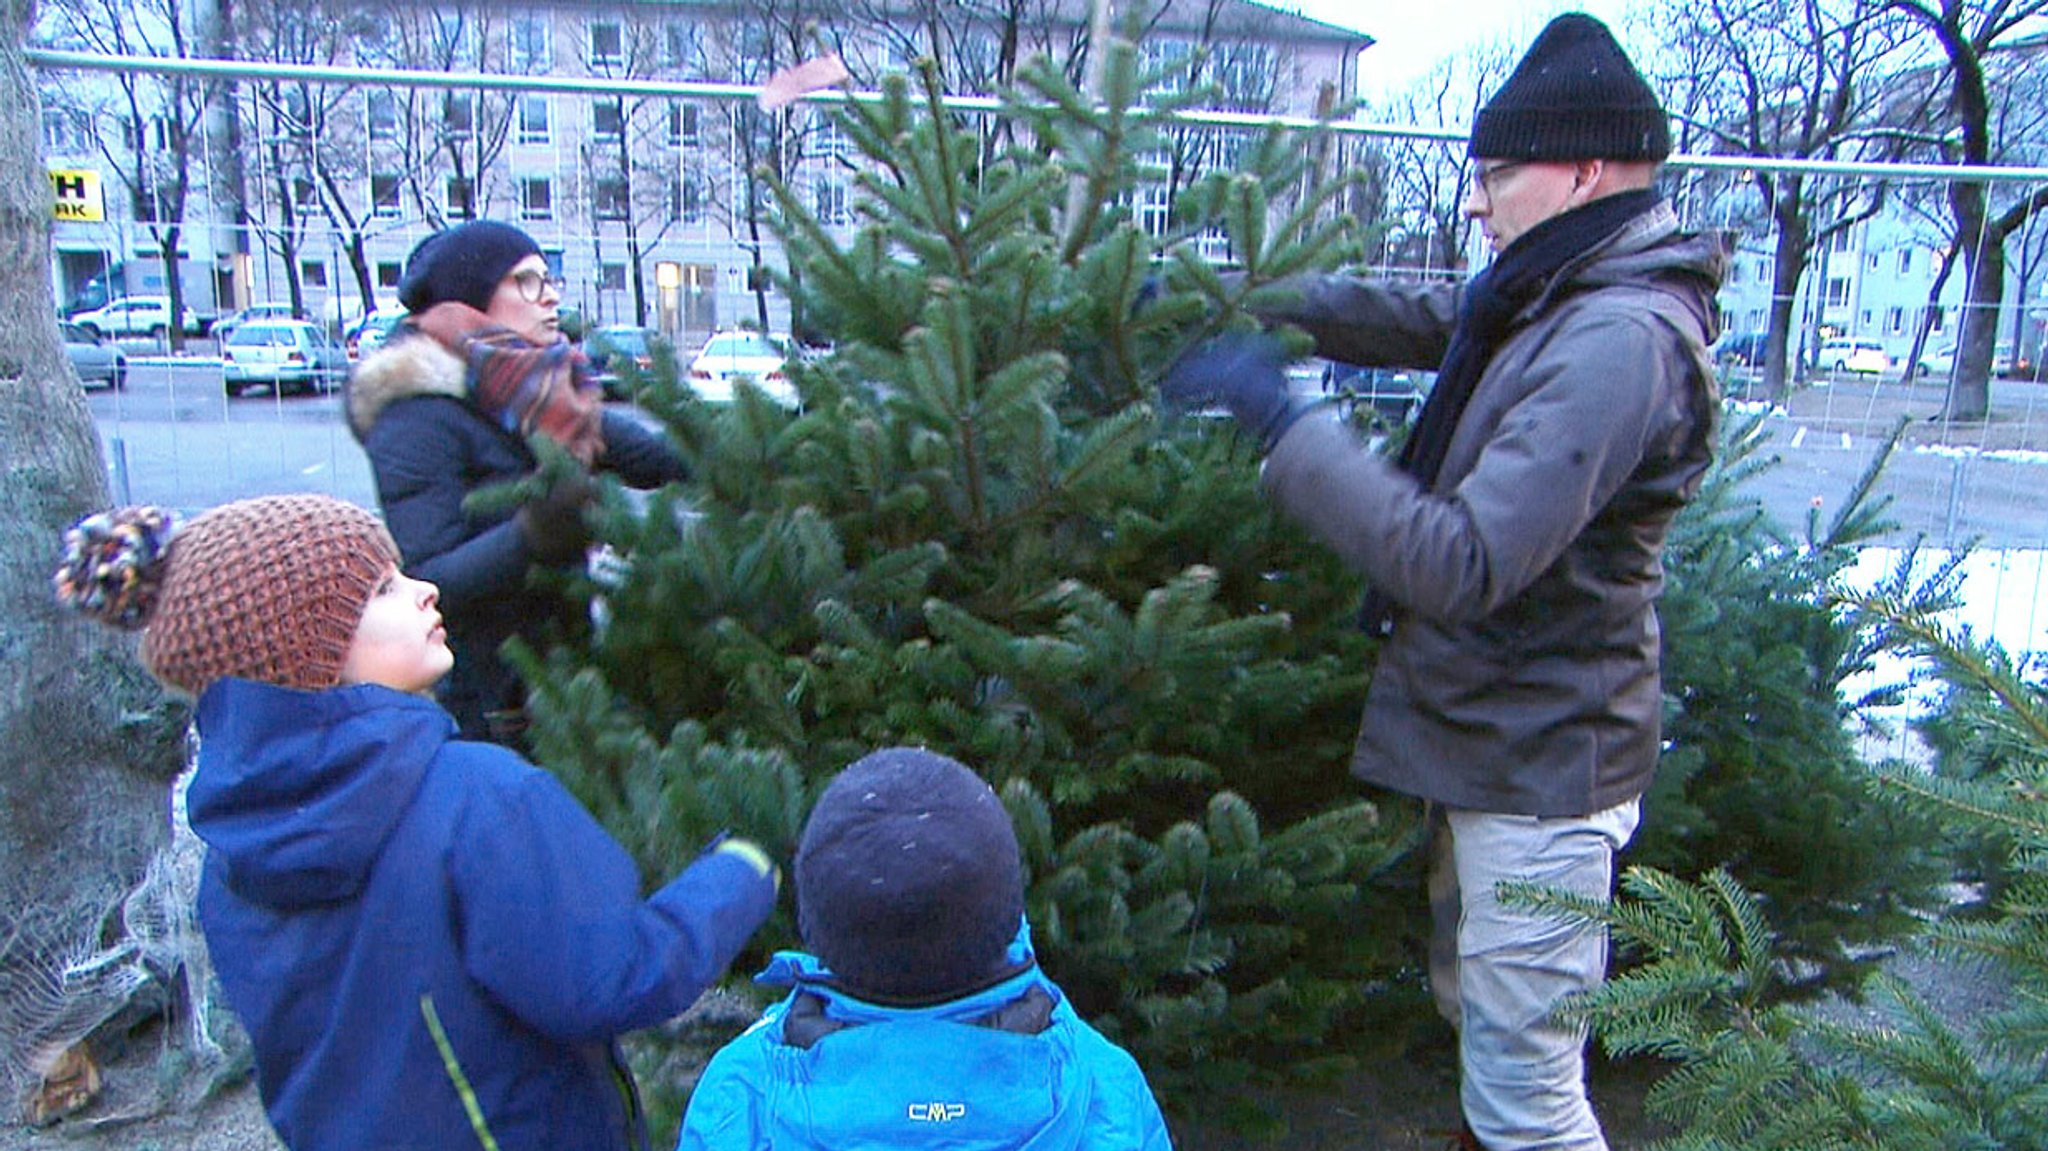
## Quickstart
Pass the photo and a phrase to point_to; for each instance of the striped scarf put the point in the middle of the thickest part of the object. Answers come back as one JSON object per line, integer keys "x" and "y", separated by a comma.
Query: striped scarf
{"x": 527, "y": 389}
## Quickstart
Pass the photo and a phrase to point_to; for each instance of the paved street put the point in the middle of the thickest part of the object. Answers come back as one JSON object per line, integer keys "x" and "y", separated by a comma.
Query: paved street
{"x": 172, "y": 437}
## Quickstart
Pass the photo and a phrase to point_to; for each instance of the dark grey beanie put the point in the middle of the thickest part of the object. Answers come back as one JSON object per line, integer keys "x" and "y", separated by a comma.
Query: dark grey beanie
{"x": 462, "y": 263}
{"x": 908, "y": 881}
{"x": 1575, "y": 96}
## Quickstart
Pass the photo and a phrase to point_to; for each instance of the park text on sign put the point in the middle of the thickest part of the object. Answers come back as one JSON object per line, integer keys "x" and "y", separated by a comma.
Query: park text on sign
{"x": 78, "y": 194}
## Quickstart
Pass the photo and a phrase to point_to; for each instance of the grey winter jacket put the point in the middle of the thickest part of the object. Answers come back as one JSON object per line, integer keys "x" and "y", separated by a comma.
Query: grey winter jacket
{"x": 1521, "y": 676}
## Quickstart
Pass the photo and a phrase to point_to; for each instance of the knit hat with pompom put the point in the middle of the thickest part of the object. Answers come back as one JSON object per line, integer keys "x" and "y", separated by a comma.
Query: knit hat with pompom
{"x": 268, "y": 589}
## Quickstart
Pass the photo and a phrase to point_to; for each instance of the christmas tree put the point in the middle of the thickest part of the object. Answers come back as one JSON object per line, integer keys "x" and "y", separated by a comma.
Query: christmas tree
{"x": 977, "y": 535}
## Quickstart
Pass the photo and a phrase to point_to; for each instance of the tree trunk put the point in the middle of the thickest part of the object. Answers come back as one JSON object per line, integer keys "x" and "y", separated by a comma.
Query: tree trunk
{"x": 1969, "y": 394}
{"x": 82, "y": 806}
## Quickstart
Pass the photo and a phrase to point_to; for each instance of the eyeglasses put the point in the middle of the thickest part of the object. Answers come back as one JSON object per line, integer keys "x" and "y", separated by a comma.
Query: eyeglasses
{"x": 1489, "y": 175}
{"x": 533, "y": 285}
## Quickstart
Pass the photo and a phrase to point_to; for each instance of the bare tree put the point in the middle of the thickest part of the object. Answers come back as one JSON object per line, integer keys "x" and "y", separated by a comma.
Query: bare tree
{"x": 149, "y": 128}
{"x": 1967, "y": 33}
{"x": 1791, "y": 78}
{"x": 1424, "y": 183}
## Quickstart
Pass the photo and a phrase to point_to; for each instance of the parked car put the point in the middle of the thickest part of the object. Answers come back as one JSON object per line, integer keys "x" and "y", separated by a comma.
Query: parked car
{"x": 2004, "y": 363}
{"x": 94, "y": 359}
{"x": 1741, "y": 349}
{"x": 1394, "y": 395}
{"x": 2009, "y": 364}
{"x": 613, "y": 348}
{"x": 226, "y": 325}
{"x": 730, "y": 356}
{"x": 1853, "y": 355}
{"x": 1939, "y": 362}
{"x": 369, "y": 333}
{"x": 283, "y": 354}
{"x": 135, "y": 316}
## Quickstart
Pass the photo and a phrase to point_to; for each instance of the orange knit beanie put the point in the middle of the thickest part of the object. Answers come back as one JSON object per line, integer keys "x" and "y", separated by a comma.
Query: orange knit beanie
{"x": 268, "y": 589}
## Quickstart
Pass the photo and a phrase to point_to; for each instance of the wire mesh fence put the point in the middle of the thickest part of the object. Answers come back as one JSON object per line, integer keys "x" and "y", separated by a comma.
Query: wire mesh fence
{"x": 1863, "y": 314}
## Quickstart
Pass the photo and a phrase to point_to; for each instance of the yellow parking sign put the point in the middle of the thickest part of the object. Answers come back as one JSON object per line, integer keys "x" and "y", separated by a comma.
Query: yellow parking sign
{"x": 78, "y": 194}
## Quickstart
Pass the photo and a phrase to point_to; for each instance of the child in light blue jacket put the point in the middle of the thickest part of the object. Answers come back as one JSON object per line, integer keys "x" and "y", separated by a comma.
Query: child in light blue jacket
{"x": 921, "y": 1017}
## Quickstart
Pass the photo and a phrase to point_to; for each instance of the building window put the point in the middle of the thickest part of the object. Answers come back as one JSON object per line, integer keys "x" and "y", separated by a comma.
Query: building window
{"x": 313, "y": 273}
{"x": 537, "y": 198}
{"x": 534, "y": 120}
{"x": 608, "y": 120}
{"x": 1838, "y": 291}
{"x": 827, "y": 139}
{"x": 387, "y": 273}
{"x": 832, "y": 208}
{"x": 461, "y": 198}
{"x": 1151, "y": 210}
{"x": 1840, "y": 242}
{"x": 63, "y": 130}
{"x": 685, "y": 125}
{"x": 611, "y": 277}
{"x": 682, "y": 48}
{"x": 608, "y": 197}
{"x": 686, "y": 199}
{"x": 1935, "y": 318}
{"x": 1905, "y": 261}
{"x": 528, "y": 43}
{"x": 305, "y": 197}
{"x": 384, "y": 194}
{"x": 458, "y": 114}
{"x": 1894, "y": 321}
{"x": 383, "y": 111}
{"x": 607, "y": 45}
{"x": 1863, "y": 320}
{"x": 1872, "y": 262}
{"x": 1735, "y": 271}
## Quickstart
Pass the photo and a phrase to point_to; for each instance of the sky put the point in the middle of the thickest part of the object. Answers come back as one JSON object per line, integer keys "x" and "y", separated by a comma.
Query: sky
{"x": 1412, "y": 35}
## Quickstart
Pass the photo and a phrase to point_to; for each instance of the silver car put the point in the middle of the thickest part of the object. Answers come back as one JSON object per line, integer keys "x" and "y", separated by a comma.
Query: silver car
{"x": 283, "y": 354}
{"x": 95, "y": 360}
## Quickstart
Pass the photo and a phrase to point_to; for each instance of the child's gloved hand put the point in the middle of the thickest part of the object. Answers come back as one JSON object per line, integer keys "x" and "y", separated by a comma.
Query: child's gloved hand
{"x": 751, "y": 852}
{"x": 1244, "y": 372}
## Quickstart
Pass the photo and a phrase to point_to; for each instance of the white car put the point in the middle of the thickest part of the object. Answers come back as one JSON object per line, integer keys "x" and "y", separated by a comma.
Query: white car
{"x": 282, "y": 354}
{"x": 1848, "y": 355}
{"x": 134, "y": 316}
{"x": 731, "y": 356}
{"x": 1936, "y": 362}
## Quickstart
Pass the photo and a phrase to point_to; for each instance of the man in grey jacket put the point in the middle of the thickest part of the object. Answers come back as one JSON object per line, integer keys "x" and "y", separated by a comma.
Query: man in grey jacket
{"x": 1514, "y": 548}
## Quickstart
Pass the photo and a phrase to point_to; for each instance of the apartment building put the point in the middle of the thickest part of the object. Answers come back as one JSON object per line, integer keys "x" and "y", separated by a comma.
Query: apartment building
{"x": 304, "y": 189}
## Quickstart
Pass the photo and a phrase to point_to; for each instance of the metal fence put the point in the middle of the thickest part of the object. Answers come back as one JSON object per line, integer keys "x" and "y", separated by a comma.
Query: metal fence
{"x": 1891, "y": 281}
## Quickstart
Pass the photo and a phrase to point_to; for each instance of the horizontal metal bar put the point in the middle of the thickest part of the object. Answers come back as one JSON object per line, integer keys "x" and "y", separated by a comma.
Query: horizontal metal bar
{"x": 705, "y": 90}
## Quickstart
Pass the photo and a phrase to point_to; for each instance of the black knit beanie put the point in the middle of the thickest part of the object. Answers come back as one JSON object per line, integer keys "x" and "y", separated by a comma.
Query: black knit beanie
{"x": 1575, "y": 96}
{"x": 463, "y": 263}
{"x": 908, "y": 881}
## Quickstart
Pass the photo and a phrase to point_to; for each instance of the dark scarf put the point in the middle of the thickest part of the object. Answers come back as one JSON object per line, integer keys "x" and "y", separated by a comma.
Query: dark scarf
{"x": 1492, "y": 301}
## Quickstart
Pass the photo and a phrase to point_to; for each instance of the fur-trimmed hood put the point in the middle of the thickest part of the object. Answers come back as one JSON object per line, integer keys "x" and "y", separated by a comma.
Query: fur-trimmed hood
{"x": 410, "y": 365}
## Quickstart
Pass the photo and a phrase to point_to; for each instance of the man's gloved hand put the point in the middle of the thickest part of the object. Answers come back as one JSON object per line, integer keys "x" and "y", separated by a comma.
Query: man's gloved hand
{"x": 1246, "y": 373}
{"x": 555, "y": 530}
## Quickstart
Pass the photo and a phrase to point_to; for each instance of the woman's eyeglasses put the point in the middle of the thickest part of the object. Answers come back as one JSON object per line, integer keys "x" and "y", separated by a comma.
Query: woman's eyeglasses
{"x": 533, "y": 285}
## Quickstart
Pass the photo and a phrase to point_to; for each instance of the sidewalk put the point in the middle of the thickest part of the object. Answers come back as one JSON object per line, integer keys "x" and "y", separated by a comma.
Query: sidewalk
{"x": 1867, "y": 406}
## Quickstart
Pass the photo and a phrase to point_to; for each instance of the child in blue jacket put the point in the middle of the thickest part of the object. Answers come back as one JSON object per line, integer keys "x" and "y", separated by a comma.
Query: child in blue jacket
{"x": 431, "y": 944}
{"x": 921, "y": 1018}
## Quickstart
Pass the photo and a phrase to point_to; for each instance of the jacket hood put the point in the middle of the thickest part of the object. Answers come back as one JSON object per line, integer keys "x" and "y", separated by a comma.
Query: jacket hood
{"x": 1651, "y": 250}
{"x": 412, "y": 364}
{"x": 297, "y": 791}
{"x": 806, "y": 972}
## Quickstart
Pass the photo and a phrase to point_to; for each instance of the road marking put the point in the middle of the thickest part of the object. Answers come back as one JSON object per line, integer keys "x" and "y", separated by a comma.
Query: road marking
{"x": 1799, "y": 437}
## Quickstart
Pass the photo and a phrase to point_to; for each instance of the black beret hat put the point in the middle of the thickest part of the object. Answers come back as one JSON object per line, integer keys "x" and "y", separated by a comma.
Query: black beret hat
{"x": 908, "y": 881}
{"x": 1574, "y": 96}
{"x": 462, "y": 263}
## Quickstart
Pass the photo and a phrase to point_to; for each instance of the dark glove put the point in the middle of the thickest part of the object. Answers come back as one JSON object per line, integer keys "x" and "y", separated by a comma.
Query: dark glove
{"x": 1246, "y": 373}
{"x": 555, "y": 530}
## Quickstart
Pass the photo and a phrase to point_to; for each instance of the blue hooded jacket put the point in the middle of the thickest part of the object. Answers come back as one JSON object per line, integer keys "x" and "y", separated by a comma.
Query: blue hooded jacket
{"x": 364, "y": 864}
{"x": 1010, "y": 1067}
